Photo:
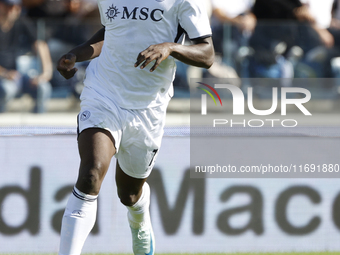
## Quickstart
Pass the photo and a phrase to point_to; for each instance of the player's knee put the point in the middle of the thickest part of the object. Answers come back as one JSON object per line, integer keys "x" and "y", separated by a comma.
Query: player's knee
{"x": 126, "y": 198}
{"x": 90, "y": 181}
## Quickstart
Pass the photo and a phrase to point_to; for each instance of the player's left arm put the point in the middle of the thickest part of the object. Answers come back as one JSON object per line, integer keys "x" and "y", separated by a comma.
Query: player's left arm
{"x": 200, "y": 53}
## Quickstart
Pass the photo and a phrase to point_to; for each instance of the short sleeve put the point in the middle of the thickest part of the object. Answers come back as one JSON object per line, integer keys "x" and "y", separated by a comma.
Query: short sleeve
{"x": 102, "y": 20}
{"x": 193, "y": 18}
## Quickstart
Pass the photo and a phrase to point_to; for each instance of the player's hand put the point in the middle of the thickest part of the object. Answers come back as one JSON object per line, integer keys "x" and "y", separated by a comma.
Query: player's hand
{"x": 66, "y": 65}
{"x": 157, "y": 52}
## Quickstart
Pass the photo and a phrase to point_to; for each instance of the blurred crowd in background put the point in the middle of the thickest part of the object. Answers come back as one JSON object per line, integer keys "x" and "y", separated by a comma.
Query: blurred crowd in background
{"x": 252, "y": 38}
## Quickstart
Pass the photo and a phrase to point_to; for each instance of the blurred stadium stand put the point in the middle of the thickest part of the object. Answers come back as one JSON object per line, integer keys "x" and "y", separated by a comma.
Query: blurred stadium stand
{"x": 285, "y": 57}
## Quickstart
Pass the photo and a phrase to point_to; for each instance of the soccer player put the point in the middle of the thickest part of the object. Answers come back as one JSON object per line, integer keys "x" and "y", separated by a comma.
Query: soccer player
{"x": 128, "y": 86}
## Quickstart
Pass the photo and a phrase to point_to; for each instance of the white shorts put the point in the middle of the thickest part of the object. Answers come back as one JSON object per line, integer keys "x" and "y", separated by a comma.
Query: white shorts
{"x": 137, "y": 133}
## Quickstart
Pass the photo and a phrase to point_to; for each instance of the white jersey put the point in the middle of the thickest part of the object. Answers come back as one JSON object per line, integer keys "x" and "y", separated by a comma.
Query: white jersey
{"x": 130, "y": 27}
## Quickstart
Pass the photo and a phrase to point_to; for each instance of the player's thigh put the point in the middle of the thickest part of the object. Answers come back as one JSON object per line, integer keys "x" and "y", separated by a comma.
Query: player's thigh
{"x": 96, "y": 148}
{"x": 141, "y": 141}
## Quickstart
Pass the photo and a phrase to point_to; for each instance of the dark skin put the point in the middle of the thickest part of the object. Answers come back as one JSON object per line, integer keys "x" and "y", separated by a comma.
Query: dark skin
{"x": 97, "y": 146}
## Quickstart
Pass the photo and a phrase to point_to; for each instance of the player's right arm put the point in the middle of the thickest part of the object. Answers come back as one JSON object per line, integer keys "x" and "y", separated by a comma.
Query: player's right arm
{"x": 86, "y": 51}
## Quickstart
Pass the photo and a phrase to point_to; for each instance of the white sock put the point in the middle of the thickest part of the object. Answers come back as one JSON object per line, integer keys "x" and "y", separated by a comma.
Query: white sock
{"x": 78, "y": 220}
{"x": 138, "y": 214}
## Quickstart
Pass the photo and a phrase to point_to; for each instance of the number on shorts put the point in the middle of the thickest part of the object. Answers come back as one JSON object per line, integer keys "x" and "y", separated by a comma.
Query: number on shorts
{"x": 153, "y": 156}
